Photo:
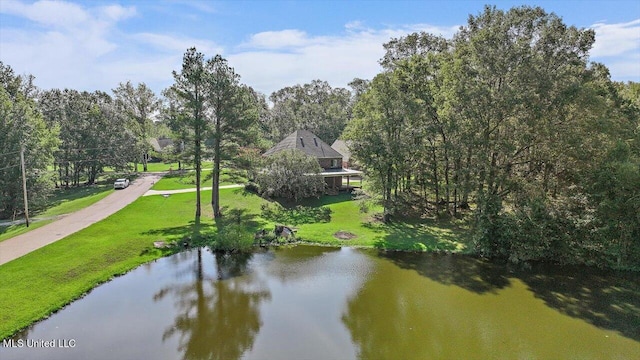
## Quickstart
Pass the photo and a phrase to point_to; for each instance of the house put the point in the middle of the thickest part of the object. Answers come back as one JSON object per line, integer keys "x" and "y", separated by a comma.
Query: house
{"x": 342, "y": 147}
{"x": 330, "y": 160}
{"x": 158, "y": 144}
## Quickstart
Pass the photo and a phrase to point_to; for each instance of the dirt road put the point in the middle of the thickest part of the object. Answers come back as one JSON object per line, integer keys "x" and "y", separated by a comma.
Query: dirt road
{"x": 23, "y": 244}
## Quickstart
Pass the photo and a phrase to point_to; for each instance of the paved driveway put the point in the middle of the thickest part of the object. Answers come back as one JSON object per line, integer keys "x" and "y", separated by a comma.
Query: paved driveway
{"x": 23, "y": 244}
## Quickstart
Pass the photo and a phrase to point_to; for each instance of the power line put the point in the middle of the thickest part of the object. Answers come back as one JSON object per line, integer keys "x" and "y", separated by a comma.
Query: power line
{"x": 76, "y": 161}
{"x": 9, "y": 167}
{"x": 84, "y": 149}
{"x": 9, "y": 153}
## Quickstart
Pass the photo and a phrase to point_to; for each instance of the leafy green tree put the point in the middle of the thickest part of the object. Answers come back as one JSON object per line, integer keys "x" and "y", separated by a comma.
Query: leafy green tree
{"x": 413, "y": 45}
{"x": 509, "y": 114}
{"x": 291, "y": 174}
{"x": 172, "y": 115}
{"x": 316, "y": 107}
{"x": 615, "y": 192}
{"x": 138, "y": 103}
{"x": 209, "y": 108}
{"x": 233, "y": 112}
{"x": 22, "y": 126}
{"x": 189, "y": 95}
{"x": 381, "y": 135}
{"x": 358, "y": 87}
{"x": 92, "y": 134}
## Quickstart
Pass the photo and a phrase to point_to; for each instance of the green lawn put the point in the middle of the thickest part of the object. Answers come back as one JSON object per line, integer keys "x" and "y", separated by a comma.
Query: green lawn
{"x": 418, "y": 235}
{"x": 187, "y": 180}
{"x": 62, "y": 201}
{"x": 7, "y": 232}
{"x": 158, "y": 166}
{"x": 43, "y": 281}
{"x": 162, "y": 166}
{"x": 67, "y": 201}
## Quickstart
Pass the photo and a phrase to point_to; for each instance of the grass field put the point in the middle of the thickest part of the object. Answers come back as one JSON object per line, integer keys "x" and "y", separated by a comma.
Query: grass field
{"x": 71, "y": 200}
{"x": 41, "y": 282}
{"x": 187, "y": 180}
{"x": 162, "y": 166}
{"x": 45, "y": 280}
{"x": 415, "y": 235}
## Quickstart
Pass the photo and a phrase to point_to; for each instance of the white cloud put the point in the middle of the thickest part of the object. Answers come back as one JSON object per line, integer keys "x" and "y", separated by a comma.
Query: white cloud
{"x": 625, "y": 69}
{"x": 52, "y": 13}
{"x": 179, "y": 44}
{"x": 618, "y": 46}
{"x": 274, "y": 59}
{"x": 67, "y": 47}
{"x": 68, "y": 25}
{"x": 198, "y": 5}
{"x": 616, "y": 39}
{"x": 278, "y": 39}
{"x": 117, "y": 12}
{"x": 83, "y": 47}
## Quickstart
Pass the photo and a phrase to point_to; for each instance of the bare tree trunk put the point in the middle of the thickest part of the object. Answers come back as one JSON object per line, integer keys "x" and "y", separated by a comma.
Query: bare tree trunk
{"x": 198, "y": 161}
{"x": 436, "y": 180}
{"x": 215, "y": 191}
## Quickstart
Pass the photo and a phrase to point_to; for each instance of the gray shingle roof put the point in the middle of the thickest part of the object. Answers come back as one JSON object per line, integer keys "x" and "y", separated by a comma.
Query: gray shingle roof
{"x": 342, "y": 147}
{"x": 307, "y": 142}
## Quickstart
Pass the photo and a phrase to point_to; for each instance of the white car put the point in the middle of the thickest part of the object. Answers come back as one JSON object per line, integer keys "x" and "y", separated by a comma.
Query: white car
{"x": 121, "y": 184}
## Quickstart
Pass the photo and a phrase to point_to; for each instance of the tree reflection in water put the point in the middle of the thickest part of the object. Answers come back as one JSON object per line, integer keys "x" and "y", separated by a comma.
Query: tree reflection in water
{"x": 218, "y": 316}
{"x": 448, "y": 307}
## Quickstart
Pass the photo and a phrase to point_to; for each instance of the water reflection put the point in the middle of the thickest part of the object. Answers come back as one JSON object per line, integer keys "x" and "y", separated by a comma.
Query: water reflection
{"x": 608, "y": 300}
{"x": 467, "y": 272}
{"x": 446, "y": 307}
{"x": 323, "y": 303}
{"x": 217, "y": 317}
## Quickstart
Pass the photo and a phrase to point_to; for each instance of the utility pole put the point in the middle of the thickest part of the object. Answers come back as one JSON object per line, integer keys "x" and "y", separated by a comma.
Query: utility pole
{"x": 24, "y": 187}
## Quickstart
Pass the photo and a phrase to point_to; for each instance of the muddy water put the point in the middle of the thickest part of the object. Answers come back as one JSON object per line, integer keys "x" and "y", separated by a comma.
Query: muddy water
{"x": 325, "y": 303}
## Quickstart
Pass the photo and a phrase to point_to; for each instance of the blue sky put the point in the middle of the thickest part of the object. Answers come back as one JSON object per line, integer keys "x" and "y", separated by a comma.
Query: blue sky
{"x": 94, "y": 45}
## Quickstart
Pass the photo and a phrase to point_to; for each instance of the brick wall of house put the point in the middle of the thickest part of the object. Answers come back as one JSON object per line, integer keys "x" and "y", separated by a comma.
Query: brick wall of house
{"x": 326, "y": 163}
{"x": 333, "y": 182}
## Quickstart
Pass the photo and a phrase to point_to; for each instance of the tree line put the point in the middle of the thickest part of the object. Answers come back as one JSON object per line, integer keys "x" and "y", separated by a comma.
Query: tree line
{"x": 507, "y": 124}
{"x": 511, "y": 119}
{"x": 71, "y": 137}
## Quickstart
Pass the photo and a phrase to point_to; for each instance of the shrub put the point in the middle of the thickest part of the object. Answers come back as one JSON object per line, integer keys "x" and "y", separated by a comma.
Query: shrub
{"x": 535, "y": 230}
{"x": 291, "y": 175}
{"x": 252, "y": 187}
{"x": 234, "y": 237}
{"x": 363, "y": 199}
{"x": 296, "y": 216}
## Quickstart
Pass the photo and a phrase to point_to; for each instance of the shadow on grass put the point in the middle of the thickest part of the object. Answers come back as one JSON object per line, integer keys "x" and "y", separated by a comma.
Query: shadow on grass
{"x": 244, "y": 192}
{"x": 233, "y": 177}
{"x": 422, "y": 235}
{"x": 232, "y": 216}
{"x": 315, "y": 202}
{"x": 60, "y": 196}
{"x": 192, "y": 233}
{"x": 183, "y": 177}
{"x": 298, "y": 215}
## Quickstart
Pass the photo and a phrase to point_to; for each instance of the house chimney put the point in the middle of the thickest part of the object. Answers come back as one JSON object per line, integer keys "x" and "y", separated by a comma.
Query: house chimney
{"x": 301, "y": 141}
{"x": 315, "y": 141}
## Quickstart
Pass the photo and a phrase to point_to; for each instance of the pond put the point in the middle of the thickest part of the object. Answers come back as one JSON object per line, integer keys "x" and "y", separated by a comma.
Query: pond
{"x": 311, "y": 302}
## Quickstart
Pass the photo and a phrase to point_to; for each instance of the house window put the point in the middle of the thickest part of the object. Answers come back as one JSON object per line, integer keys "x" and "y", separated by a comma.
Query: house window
{"x": 334, "y": 163}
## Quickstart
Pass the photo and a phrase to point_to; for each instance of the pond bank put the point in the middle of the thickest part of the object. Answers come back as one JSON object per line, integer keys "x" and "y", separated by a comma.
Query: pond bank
{"x": 47, "y": 279}
{"x": 347, "y": 303}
